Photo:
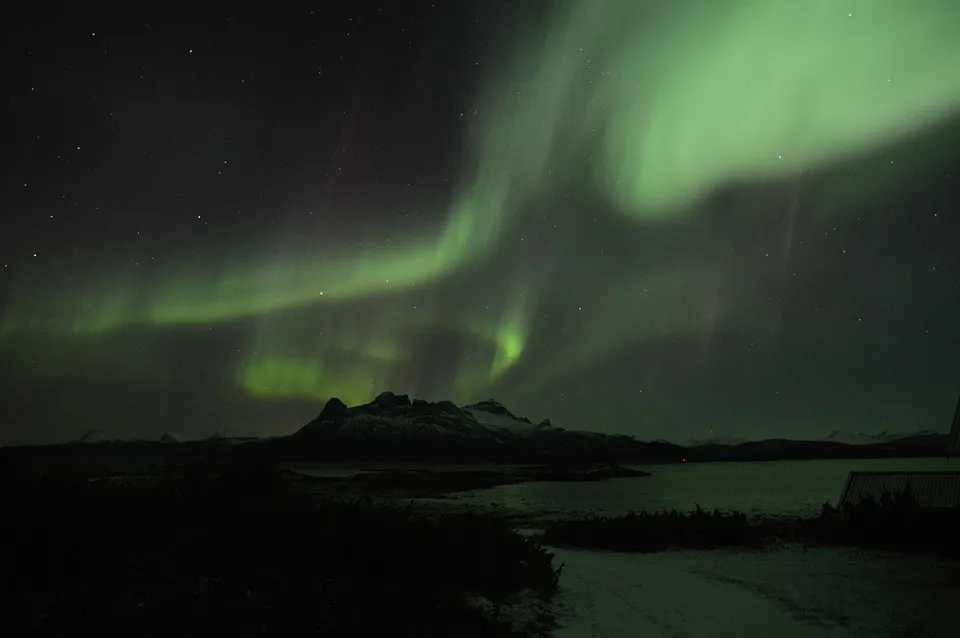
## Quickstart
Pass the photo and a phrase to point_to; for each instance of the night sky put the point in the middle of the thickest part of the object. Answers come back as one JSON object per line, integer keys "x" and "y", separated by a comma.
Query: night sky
{"x": 669, "y": 219}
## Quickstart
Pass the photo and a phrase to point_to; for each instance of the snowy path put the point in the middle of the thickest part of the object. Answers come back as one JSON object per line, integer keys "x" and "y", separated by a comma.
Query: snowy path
{"x": 782, "y": 593}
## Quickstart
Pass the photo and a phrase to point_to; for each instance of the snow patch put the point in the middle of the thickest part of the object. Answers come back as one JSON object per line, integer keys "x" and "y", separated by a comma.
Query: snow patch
{"x": 785, "y": 592}
{"x": 98, "y": 436}
{"x": 525, "y": 612}
{"x": 502, "y": 421}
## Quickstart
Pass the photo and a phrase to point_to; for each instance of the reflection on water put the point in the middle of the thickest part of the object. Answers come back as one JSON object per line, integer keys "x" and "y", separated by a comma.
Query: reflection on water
{"x": 778, "y": 488}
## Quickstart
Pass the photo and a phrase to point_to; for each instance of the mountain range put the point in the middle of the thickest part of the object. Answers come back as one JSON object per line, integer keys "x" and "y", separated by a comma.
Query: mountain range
{"x": 863, "y": 438}
{"x": 100, "y": 436}
{"x": 393, "y": 427}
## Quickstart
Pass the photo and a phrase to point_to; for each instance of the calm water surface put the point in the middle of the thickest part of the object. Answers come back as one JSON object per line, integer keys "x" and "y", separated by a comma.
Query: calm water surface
{"x": 776, "y": 488}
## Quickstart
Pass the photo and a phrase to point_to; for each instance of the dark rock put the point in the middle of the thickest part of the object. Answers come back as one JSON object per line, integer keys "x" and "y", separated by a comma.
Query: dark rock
{"x": 333, "y": 407}
{"x": 420, "y": 406}
{"x": 389, "y": 399}
{"x": 332, "y": 415}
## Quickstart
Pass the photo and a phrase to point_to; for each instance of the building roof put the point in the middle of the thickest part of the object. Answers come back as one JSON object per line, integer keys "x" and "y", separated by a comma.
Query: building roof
{"x": 929, "y": 489}
{"x": 953, "y": 442}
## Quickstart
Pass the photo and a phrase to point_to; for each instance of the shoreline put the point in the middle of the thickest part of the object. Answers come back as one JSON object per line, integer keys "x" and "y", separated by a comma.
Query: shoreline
{"x": 442, "y": 484}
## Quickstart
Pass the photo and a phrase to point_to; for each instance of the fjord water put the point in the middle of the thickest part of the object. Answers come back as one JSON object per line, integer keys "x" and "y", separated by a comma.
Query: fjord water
{"x": 774, "y": 488}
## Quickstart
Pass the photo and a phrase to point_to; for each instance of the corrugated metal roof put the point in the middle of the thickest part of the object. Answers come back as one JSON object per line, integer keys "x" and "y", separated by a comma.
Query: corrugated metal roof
{"x": 929, "y": 489}
{"x": 953, "y": 443}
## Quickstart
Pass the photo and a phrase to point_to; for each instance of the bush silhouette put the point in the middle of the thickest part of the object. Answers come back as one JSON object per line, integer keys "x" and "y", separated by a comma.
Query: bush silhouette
{"x": 891, "y": 521}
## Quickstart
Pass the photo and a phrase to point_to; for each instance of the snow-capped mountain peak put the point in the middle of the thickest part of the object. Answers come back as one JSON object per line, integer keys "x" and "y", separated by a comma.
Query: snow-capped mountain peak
{"x": 492, "y": 414}
{"x": 396, "y": 414}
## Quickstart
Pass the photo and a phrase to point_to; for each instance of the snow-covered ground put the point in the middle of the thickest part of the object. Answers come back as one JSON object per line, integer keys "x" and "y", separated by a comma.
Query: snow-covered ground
{"x": 778, "y": 593}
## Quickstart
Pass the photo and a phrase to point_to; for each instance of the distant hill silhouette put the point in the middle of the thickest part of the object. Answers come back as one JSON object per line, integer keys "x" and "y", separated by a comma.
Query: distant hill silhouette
{"x": 397, "y": 429}
{"x": 97, "y": 436}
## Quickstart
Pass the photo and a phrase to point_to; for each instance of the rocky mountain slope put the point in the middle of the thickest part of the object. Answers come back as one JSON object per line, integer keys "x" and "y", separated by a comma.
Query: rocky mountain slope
{"x": 393, "y": 427}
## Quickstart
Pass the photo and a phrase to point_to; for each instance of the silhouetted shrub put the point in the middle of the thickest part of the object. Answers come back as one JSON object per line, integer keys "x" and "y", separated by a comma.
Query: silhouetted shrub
{"x": 654, "y": 532}
{"x": 893, "y": 521}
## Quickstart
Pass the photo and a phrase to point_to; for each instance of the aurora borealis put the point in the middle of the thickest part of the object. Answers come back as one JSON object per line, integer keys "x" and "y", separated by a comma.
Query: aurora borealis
{"x": 670, "y": 219}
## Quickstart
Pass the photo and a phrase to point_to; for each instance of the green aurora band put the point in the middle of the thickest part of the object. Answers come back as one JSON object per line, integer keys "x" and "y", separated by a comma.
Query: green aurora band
{"x": 658, "y": 103}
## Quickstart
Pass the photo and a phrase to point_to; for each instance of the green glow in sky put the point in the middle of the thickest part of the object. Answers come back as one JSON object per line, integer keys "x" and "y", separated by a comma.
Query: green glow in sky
{"x": 278, "y": 378}
{"x": 777, "y": 88}
{"x": 656, "y": 103}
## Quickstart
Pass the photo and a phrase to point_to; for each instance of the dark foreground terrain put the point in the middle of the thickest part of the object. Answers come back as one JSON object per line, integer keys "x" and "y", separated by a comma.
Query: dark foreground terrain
{"x": 208, "y": 539}
{"x": 232, "y": 550}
